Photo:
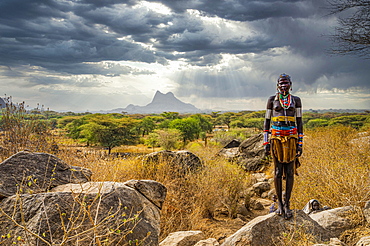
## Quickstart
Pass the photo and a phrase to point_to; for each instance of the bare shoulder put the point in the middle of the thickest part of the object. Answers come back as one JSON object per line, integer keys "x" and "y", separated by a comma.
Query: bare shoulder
{"x": 297, "y": 100}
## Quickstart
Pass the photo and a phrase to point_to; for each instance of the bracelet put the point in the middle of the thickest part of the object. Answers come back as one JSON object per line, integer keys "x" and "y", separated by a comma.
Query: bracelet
{"x": 265, "y": 143}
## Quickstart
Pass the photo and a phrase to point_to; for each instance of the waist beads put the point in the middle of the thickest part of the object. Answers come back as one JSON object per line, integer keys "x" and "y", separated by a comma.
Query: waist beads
{"x": 283, "y": 130}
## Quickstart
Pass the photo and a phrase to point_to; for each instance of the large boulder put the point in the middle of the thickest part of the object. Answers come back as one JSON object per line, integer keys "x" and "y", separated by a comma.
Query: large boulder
{"x": 252, "y": 155}
{"x": 268, "y": 229}
{"x": 182, "y": 161}
{"x": 249, "y": 154}
{"x": 28, "y": 172}
{"x": 335, "y": 220}
{"x": 93, "y": 213}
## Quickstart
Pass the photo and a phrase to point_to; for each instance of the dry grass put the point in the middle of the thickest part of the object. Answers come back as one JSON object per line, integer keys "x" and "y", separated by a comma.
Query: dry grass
{"x": 334, "y": 169}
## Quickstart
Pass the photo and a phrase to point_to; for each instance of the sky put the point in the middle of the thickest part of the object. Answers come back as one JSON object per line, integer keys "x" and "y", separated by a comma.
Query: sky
{"x": 91, "y": 55}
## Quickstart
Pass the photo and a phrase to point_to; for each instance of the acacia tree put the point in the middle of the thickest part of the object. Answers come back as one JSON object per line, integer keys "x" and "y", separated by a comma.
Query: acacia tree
{"x": 104, "y": 130}
{"x": 189, "y": 128}
{"x": 352, "y": 35}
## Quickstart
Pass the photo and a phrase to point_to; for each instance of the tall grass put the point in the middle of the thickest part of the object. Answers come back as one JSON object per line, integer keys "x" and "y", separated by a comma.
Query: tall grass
{"x": 335, "y": 168}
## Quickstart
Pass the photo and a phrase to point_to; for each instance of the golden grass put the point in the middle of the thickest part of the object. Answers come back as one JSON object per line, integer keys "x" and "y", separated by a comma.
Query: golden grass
{"x": 335, "y": 170}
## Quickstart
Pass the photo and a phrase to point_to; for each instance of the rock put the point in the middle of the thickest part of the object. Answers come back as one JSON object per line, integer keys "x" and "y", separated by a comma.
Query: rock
{"x": 152, "y": 190}
{"x": 232, "y": 144}
{"x": 183, "y": 238}
{"x": 258, "y": 177}
{"x": 83, "y": 214}
{"x": 364, "y": 241}
{"x": 336, "y": 242}
{"x": 207, "y": 242}
{"x": 182, "y": 161}
{"x": 333, "y": 242}
{"x": 229, "y": 153}
{"x": 261, "y": 187}
{"x": 334, "y": 220}
{"x": 264, "y": 229}
{"x": 27, "y": 172}
{"x": 250, "y": 154}
{"x": 367, "y": 211}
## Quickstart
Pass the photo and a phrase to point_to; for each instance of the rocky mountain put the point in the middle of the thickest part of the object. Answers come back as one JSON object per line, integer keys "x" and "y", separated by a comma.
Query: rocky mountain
{"x": 162, "y": 103}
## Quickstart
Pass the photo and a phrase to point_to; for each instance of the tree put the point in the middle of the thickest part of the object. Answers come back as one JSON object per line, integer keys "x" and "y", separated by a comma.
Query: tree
{"x": 352, "y": 34}
{"x": 103, "y": 130}
{"x": 317, "y": 123}
{"x": 168, "y": 138}
{"x": 226, "y": 118}
{"x": 152, "y": 140}
{"x": 189, "y": 128}
{"x": 147, "y": 125}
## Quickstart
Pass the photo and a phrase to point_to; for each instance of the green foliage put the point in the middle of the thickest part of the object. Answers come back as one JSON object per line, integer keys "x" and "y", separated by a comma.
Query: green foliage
{"x": 146, "y": 125}
{"x": 169, "y": 138}
{"x": 189, "y": 128}
{"x": 104, "y": 130}
{"x": 256, "y": 114}
{"x": 317, "y": 123}
{"x": 225, "y": 137}
{"x": 152, "y": 140}
{"x": 170, "y": 115}
{"x": 355, "y": 121}
{"x": 256, "y": 123}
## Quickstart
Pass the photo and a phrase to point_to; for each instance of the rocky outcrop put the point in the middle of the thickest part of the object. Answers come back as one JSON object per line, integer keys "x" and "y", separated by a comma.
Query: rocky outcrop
{"x": 84, "y": 214}
{"x": 334, "y": 220}
{"x": 266, "y": 230}
{"x": 250, "y": 154}
{"x": 59, "y": 207}
{"x": 27, "y": 172}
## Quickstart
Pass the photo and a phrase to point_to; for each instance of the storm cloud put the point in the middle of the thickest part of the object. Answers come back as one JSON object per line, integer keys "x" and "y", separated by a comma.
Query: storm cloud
{"x": 199, "y": 49}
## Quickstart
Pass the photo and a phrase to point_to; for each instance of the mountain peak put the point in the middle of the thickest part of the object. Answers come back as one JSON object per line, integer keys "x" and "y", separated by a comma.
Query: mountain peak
{"x": 159, "y": 96}
{"x": 163, "y": 102}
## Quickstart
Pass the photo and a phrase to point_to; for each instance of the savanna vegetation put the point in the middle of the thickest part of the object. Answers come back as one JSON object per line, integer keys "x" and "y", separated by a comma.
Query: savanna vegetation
{"x": 335, "y": 162}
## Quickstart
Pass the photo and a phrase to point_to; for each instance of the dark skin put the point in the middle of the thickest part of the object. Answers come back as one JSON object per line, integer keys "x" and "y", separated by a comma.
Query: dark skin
{"x": 281, "y": 168}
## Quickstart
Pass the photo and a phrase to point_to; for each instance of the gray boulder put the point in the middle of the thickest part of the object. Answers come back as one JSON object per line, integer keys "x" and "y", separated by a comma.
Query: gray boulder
{"x": 27, "y": 172}
{"x": 208, "y": 242}
{"x": 261, "y": 187}
{"x": 183, "y": 238}
{"x": 334, "y": 220}
{"x": 249, "y": 154}
{"x": 364, "y": 241}
{"x": 93, "y": 213}
{"x": 182, "y": 161}
{"x": 252, "y": 155}
{"x": 267, "y": 229}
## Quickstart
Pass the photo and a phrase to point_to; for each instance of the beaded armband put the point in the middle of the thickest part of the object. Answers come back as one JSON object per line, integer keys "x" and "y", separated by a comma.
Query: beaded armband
{"x": 300, "y": 139}
{"x": 266, "y": 137}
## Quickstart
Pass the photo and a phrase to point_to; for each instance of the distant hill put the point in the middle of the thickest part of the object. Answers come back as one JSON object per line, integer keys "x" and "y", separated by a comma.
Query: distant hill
{"x": 161, "y": 103}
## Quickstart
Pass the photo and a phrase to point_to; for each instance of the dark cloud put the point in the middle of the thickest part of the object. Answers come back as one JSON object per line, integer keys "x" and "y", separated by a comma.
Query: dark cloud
{"x": 67, "y": 38}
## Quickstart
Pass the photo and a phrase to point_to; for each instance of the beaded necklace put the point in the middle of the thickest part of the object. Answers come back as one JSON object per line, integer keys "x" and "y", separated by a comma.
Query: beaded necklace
{"x": 285, "y": 101}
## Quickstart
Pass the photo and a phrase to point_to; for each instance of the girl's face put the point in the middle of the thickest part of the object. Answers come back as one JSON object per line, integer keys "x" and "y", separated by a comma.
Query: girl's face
{"x": 284, "y": 86}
